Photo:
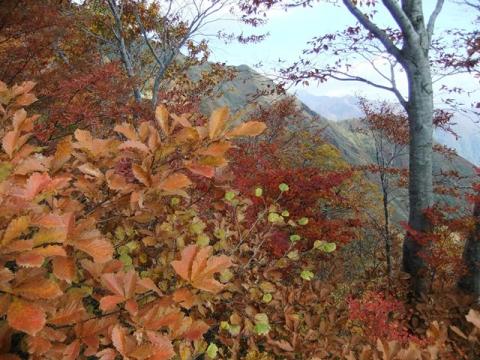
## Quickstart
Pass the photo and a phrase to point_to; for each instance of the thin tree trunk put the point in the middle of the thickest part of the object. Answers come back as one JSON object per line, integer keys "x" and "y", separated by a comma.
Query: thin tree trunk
{"x": 388, "y": 238}
{"x": 122, "y": 47}
{"x": 470, "y": 282}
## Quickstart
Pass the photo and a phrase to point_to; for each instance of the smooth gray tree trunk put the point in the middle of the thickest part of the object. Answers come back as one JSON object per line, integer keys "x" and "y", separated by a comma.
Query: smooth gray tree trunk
{"x": 419, "y": 108}
{"x": 420, "y": 115}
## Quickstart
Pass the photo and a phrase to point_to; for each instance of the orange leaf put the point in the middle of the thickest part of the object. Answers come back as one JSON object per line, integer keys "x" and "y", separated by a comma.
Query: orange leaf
{"x": 5, "y": 300}
{"x": 71, "y": 311}
{"x": 33, "y": 164}
{"x": 163, "y": 346}
{"x": 137, "y": 145}
{"x": 182, "y": 120}
{"x": 38, "y": 345}
{"x": 185, "y": 298}
{"x": 91, "y": 170}
{"x": 126, "y": 130}
{"x": 198, "y": 267}
{"x": 108, "y": 303}
{"x": 216, "y": 149}
{"x": 25, "y": 99}
{"x": 203, "y": 170}
{"x": 161, "y": 115}
{"x": 36, "y": 257}
{"x": 26, "y": 316}
{"x": 38, "y": 288}
{"x": 16, "y": 228}
{"x": 24, "y": 87}
{"x": 196, "y": 330}
{"x": 18, "y": 118}
{"x": 99, "y": 249}
{"x": 174, "y": 182}
{"x": 38, "y": 183}
{"x": 9, "y": 142}
{"x": 182, "y": 267}
{"x": 474, "y": 318}
{"x": 249, "y": 128}
{"x": 217, "y": 122}
{"x": 6, "y": 276}
{"x": 64, "y": 268}
{"x": 30, "y": 259}
{"x": 62, "y": 153}
{"x": 141, "y": 175}
{"x": 93, "y": 147}
{"x": 122, "y": 342}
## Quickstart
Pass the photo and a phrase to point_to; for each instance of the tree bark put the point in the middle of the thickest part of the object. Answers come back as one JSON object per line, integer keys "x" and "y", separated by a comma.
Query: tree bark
{"x": 420, "y": 115}
{"x": 419, "y": 108}
{"x": 470, "y": 282}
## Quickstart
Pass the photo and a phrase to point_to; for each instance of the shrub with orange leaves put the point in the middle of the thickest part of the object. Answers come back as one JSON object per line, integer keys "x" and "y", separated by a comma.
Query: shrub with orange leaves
{"x": 76, "y": 228}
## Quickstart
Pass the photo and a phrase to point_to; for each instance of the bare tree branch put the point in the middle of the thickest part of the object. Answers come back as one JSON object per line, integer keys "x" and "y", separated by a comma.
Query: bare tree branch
{"x": 433, "y": 19}
{"x": 370, "y": 26}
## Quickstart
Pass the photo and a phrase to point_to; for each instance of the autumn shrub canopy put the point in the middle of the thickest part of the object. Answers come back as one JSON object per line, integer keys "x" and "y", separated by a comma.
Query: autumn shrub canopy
{"x": 137, "y": 224}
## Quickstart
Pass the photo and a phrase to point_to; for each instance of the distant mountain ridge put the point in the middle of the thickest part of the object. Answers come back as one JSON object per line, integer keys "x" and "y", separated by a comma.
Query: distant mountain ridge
{"x": 346, "y": 107}
{"x": 335, "y": 108}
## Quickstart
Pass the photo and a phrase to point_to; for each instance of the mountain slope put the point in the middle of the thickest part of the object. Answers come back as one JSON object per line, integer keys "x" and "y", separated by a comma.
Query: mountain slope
{"x": 356, "y": 148}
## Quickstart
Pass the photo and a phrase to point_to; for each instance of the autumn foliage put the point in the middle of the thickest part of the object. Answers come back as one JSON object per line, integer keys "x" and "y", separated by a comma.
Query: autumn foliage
{"x": 131, "y": 231}
{"x": 67, "y": 281}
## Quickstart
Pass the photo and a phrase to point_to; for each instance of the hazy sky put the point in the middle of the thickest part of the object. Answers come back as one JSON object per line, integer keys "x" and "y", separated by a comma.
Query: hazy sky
{"x": 289, "y": 32}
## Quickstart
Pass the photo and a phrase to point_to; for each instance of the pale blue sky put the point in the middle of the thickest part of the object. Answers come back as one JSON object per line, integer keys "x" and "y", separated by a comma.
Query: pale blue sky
{"x": 289, "y": 32}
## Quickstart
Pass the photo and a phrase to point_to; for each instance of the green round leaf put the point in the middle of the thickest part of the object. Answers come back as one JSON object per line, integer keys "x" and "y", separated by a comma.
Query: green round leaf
{"x": 303, "y": 221}
{"x": 258, "y": 192}
{"x": 203, "y": 240}
{"x": 324, "y": 246}
{"x": 283, "y": 187}
{"x": 212, "y": 350}
{"x": 274, "y": 217}
{"x": 294, "y": 238}
{"x": 307, "y": 275}
{"x": 229, "y": 195}
{"x": 293, "y": 255}
{"x": 262, "y": 328}
{"x": 234, "y": 330}
{"x": 285, "y": 213}
{"x": 267, "y": 298}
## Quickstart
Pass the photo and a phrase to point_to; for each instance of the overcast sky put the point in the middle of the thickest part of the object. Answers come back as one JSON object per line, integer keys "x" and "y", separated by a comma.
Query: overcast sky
{"x": 289, "y": 32}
